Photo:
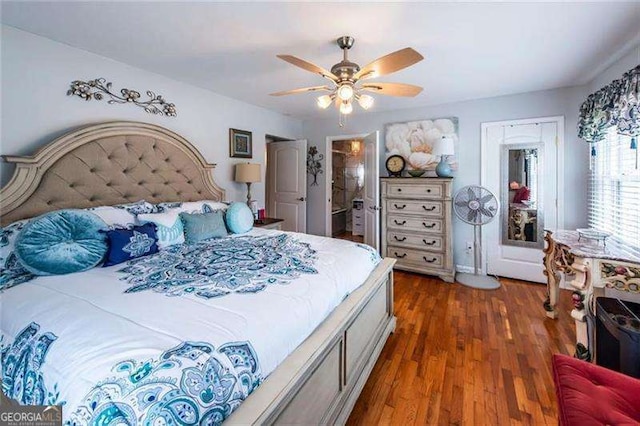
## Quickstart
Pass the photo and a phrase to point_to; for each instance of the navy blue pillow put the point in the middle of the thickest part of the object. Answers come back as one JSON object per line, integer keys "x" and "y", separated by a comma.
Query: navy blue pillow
{"x": 127, "y": 244}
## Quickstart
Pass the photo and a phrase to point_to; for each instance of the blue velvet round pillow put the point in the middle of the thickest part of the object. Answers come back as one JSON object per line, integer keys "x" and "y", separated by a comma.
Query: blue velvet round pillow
{"x": 62, "y": 242}
{"x": 239, "y": 218}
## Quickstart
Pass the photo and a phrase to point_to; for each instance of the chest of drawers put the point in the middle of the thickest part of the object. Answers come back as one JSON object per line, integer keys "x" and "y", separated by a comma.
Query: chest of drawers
{"x": 357, "y": 217}
{"x": 416, "y": 225}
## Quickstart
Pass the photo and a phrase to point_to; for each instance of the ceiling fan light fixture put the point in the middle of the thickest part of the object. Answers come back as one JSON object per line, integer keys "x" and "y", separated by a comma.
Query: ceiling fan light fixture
{"x": 346, "y": 77}
{"x": 346, "y": 108}
{"x": 345, "y": 92}
{"x": 365, "y": 101}
{"x": 324, "y": 101}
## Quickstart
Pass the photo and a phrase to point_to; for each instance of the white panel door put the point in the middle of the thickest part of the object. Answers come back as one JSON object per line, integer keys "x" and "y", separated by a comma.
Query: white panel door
{"x": 372, "y": 191}
{"x": 287, "y": 176}
{"x": 508, "y": 260}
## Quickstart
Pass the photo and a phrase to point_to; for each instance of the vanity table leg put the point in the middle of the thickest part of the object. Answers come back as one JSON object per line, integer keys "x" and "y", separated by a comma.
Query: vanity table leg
{"x": 582, "y": 300}
{"x": 553, "y": 277}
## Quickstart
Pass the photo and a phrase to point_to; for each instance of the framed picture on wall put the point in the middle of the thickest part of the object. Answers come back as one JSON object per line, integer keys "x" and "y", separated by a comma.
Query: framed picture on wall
{"x": 415, "y": 142}
{"x": 240, "y": 144}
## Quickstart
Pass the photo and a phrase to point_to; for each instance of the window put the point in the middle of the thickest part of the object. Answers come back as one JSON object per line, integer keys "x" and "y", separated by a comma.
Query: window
{"x": 614, "y": 189}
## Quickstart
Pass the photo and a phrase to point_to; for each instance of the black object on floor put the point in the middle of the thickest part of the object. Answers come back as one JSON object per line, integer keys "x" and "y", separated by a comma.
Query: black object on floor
{"x": 618, "y": 335}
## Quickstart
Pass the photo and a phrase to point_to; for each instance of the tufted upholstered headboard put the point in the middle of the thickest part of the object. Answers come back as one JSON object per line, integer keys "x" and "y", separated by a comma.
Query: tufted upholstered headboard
{"x": 105, "y": 164}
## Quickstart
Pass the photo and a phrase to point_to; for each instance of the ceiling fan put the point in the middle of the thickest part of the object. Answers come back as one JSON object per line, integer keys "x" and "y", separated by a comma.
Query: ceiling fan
{"x": 348, "y": 80}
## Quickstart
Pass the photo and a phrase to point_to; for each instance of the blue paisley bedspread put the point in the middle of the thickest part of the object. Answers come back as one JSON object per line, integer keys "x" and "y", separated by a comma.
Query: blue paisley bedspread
{"x": 181, "y": 337}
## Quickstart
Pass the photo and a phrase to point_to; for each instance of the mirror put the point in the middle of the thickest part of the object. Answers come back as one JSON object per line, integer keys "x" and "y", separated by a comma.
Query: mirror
{"x": 521, "y": 177}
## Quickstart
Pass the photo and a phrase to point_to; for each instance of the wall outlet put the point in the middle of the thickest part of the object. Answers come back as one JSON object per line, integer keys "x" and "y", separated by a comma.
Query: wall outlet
{"x": 469, "y": 247}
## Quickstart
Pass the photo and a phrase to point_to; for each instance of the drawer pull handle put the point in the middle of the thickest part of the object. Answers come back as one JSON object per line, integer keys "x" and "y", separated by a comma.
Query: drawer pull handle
{"x": 399, "y": 189}
{"x": 399, "y": 207}
{"x": 433, "y": 259}
{"x": 429, "y": 243}
{"x": 400, "y": 256}
{"x": 428, "y": 226}
{"x": 400, "y": 223}
{"x": 430, "y": 209}
{"x": 399, "y": 239}
{"x": 428, "y": 190}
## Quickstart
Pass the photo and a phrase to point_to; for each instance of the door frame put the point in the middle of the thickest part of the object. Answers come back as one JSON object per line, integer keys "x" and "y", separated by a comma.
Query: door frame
{"x": 559, "y": 120}
{"x": 328, "y": 176}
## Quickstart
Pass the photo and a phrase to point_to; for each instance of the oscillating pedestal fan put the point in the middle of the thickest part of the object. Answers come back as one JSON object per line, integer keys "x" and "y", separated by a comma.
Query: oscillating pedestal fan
{"x": 476, "y": 206}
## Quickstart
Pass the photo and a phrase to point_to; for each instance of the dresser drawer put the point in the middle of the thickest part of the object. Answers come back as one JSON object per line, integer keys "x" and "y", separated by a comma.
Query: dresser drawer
{"x": 416, "y": 257}
{"x": 412, "y": 240}
{"x": 423, "y": 190}
{"x": 415, "y": 223}
{"x": 430, "y": 208}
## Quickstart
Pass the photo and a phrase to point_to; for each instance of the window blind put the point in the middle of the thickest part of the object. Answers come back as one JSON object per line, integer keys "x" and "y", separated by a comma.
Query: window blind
{"x": 614, "y": 189}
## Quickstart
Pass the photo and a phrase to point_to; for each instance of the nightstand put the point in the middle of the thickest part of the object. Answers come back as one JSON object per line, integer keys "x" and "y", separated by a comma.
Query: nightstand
{"x": 269, "y": 223}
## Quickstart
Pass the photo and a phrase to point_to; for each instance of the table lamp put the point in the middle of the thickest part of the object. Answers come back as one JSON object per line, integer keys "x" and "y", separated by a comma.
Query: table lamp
{"x": 443, "y": 148}
{"x": 248, "y": 173}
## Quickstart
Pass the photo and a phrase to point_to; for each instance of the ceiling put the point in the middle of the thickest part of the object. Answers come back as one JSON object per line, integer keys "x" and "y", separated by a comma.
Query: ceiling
{"x": 471, "y": 50}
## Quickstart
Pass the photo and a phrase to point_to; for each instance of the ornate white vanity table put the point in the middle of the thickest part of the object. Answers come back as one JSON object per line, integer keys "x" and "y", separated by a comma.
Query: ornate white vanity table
{"x": 589, "y": 267}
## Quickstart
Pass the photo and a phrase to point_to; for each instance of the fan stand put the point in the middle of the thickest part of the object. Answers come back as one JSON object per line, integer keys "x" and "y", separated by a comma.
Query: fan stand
{"x": 476, "y": 280}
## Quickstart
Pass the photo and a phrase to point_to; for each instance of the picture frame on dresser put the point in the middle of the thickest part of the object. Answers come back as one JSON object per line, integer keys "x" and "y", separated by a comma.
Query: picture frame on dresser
{"x": 417, "y": 225}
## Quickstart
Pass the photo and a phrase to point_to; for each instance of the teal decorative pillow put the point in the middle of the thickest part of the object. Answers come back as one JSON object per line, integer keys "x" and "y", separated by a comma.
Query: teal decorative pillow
{"x": 62, "y": 242}
{"x": 168, "y": 227}
{"x": 239, "y": 218}
{"x": 202, "y": 226}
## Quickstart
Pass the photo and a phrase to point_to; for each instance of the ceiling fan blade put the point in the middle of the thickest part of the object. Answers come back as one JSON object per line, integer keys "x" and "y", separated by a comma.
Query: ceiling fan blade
{"x": 302, "y": 90}
{"x": 308, "y": 66}
{"x": 390, "y": 63}
{"x": 392, "y": 89}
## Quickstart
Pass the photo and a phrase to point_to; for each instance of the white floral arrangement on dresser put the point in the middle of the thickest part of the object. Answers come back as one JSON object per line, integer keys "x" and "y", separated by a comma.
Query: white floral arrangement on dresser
{"x": 414, "y": 140}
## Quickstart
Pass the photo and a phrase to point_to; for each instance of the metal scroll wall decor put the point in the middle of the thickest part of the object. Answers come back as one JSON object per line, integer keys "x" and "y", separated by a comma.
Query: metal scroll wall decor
{"x": 314, "y": 165}
{"x": 99, "y": 88}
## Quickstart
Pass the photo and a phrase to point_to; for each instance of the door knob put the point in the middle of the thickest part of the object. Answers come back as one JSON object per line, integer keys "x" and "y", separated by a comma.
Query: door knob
{"x": 300, "y": 199}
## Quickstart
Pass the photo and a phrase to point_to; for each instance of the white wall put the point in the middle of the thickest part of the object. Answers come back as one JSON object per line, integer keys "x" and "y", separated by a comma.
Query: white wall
{"x": 615, "y": 70}
{"x": 36, "y": 73}
{"x": 564, "y": 102}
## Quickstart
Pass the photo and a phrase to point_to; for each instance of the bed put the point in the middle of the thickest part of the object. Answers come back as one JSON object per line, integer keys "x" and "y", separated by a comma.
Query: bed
{"x": 290, "y": 339}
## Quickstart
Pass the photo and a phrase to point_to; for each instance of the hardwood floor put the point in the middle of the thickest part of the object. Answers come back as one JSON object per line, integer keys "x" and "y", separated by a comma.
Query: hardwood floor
{"x": 349, "y": 236}
{"x": 467, "y": 356}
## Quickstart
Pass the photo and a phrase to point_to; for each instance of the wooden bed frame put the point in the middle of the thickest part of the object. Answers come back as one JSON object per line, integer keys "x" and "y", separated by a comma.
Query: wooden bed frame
{"x": 118, "y": 162}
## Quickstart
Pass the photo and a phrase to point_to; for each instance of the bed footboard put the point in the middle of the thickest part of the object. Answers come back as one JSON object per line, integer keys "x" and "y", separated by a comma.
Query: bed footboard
{"x": 321, "y": 380}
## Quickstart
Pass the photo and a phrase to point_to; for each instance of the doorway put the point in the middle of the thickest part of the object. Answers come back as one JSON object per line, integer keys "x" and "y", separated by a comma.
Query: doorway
{"x": 352, "y": 188}
{"x": 527, "y": 184}
{"x": 347, "y": 183}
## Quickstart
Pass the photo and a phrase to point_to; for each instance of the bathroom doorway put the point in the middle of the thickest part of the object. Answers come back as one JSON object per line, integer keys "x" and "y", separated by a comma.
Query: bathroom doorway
{"x": 347, "y": 188}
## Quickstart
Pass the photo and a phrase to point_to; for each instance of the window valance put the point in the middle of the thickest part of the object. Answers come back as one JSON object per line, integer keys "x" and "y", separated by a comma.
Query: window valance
{"x": 617, "y": 104}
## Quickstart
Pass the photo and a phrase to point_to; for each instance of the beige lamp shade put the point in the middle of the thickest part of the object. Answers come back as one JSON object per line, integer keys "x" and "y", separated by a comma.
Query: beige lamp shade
{"x": 248, "y": 172}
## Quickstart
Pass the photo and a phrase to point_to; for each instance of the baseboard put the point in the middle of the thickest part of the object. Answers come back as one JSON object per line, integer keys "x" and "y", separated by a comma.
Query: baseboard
{"x": 464, "y": 269}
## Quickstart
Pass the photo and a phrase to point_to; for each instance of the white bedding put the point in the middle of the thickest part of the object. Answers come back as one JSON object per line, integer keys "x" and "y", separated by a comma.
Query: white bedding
{"x": 167, "y": 353}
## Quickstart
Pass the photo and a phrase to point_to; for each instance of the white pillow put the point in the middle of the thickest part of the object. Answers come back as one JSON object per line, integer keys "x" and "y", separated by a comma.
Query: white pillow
{"x": 204, "y": 206}
{"x": 168, "y": 227}
{"x": 123, "y": 215}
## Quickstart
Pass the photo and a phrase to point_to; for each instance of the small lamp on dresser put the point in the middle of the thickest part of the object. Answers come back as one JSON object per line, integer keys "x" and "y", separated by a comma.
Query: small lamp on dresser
{"x": 248, "y": 173}
{"x": 443, "y": 148}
